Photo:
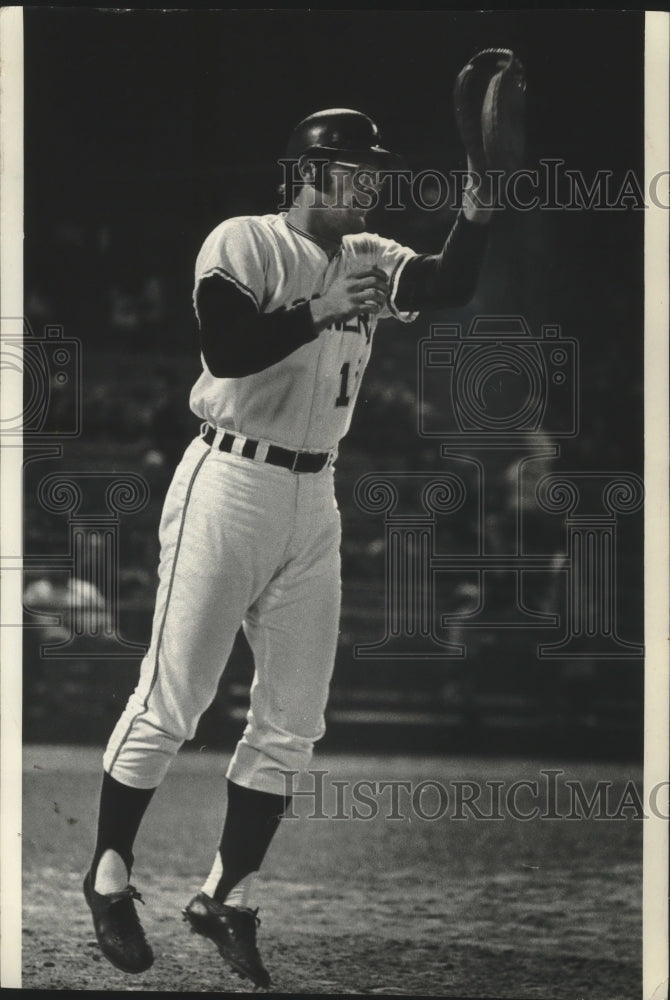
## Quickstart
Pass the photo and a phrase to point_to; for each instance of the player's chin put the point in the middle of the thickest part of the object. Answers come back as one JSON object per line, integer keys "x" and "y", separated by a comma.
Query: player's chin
{"x": 354, "y": 220}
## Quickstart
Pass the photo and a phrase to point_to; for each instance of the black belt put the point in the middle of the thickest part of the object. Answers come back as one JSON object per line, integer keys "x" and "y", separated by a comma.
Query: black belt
{"x": 296, "y": 461}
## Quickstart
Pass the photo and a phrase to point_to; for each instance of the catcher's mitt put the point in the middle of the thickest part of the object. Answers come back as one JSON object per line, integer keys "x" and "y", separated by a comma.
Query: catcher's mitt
{"x": 489, "y": 102}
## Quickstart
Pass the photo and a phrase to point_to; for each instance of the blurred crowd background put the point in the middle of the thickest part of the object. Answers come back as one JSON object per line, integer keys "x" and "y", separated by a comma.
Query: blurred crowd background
{"x": 142, "y": 132}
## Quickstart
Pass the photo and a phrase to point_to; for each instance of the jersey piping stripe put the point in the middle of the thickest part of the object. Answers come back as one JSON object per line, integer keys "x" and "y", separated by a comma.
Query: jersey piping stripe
{"x": 154, "y": 677}
{"x": 393, "y": 283}
{"x": 231, "y": 277}
{"x": 336, "y": 248}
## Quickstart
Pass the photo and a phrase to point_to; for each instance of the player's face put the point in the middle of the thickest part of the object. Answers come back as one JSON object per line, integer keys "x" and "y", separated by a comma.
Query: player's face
{"x": 349, "y": 194}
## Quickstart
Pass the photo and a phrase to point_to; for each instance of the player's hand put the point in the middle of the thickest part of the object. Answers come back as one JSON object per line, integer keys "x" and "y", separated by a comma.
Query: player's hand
{"x": 489, "y": 105}
{"x": 351, "y": 294}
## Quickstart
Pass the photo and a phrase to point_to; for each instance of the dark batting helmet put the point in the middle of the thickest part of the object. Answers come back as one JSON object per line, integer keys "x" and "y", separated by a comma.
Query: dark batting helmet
{"x": 343, "y": 134}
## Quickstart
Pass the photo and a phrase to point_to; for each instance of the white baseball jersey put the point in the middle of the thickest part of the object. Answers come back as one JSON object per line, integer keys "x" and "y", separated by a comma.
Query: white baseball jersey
{"x": 305, "y": 401}
{"x": 249, "y": 543}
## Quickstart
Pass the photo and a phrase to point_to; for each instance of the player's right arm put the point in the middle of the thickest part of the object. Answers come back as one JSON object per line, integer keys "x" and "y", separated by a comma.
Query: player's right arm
{"x": 232, "y": 274}
{"x": 237, "y": 337}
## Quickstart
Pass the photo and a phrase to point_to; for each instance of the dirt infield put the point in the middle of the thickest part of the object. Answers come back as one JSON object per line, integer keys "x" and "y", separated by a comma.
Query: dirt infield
{"x": 445, "y": 907}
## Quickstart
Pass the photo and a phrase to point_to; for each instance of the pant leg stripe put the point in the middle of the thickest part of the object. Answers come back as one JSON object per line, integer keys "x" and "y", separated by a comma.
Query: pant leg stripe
{"x": 154, "y": 677}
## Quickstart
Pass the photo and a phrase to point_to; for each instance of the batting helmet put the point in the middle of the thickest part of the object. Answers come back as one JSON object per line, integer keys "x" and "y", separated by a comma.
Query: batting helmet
{"x": 342, "y": 133}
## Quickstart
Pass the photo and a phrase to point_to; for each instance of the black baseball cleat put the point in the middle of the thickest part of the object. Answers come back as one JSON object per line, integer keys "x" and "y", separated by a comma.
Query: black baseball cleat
{"x": 233, "y": 931}
{"x": 118, "y": 928}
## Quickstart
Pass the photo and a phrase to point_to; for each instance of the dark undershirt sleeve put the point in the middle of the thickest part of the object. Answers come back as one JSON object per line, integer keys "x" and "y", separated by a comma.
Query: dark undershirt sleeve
{"x": 448, "y": 278}
{"x": 237, "y": 340}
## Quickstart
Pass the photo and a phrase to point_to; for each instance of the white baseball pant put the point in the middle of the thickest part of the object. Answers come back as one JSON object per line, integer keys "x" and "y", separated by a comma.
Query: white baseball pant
{"x": 242, "y": 543}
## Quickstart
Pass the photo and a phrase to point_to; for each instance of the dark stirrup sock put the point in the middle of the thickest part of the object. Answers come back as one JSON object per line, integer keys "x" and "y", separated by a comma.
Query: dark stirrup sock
{"x": 252, "y": 818}
{"x": 120, "y": 814}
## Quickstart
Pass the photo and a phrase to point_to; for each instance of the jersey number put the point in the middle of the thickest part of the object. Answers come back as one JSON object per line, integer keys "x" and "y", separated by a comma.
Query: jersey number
{"x": 343, "y": 399}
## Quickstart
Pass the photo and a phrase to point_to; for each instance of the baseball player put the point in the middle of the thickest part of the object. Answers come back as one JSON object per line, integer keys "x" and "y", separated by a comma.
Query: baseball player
{"x": 287, "y": 307}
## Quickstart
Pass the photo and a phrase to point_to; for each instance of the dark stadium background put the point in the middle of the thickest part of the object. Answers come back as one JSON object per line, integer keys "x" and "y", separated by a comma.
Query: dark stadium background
{"x": 142, "y": 131}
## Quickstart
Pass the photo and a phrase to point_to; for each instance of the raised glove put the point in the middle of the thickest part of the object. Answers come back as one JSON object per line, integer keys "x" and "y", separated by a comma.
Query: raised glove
{"x": 489, "y": 104}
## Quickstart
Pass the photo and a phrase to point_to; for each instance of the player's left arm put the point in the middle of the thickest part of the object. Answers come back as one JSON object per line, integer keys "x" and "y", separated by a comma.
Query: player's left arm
{"x": 435, "y": 281}
{"x": 489, "y": 108}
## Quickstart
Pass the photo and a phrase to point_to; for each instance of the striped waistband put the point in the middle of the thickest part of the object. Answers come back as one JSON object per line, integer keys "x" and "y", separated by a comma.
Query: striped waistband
{"x": 262, "y": 451}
